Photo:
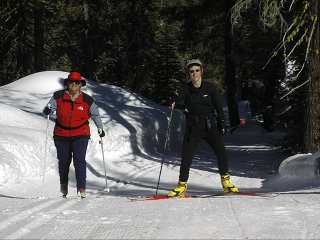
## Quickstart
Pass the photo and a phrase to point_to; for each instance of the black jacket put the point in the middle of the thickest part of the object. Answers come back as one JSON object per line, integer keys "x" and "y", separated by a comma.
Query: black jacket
{"x": 201, "y": 103}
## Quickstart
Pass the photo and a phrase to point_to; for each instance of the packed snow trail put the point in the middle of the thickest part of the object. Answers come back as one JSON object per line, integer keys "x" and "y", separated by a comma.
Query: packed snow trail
{"x": 287, "y": 216}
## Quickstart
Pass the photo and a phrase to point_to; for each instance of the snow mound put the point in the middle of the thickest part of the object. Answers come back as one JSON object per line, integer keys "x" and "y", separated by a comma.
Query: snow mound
{"x": 41, "y": 82}
{"x": 300, "y": 166}
{"x": 14, "y": 117}
{"x": 135, "y": 131}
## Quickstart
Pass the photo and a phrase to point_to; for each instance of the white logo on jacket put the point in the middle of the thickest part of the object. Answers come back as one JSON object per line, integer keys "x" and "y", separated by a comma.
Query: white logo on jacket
{"x": 80, "y": 108}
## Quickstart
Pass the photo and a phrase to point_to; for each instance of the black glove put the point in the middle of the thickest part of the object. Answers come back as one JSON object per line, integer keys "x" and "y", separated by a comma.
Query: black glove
{"x": 46, "y": 111}
{"x": 221, "y": 127}
{"x": 222, "y": 131}
{"x": 167, "y": 101}
{"x": 101, "y": 132}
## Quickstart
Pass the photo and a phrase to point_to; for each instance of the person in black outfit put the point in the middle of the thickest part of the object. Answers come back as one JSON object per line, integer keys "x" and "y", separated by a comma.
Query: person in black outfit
{"x": 204, "y": 120}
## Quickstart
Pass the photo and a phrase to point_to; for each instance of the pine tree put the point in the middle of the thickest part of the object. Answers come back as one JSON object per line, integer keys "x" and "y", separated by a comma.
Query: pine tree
{"x": 168, "y": 73}
{"x": 301, "y": 34}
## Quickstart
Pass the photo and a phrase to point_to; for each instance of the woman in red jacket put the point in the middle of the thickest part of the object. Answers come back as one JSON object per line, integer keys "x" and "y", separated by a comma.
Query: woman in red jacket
{"x": 73, "y": 110}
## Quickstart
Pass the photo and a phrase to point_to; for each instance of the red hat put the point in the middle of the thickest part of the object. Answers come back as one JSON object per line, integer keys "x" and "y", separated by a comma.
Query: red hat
{"x": 74, "y": 76}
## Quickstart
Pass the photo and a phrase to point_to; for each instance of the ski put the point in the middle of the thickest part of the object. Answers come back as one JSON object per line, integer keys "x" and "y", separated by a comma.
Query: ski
{"x": 209, "y": 195}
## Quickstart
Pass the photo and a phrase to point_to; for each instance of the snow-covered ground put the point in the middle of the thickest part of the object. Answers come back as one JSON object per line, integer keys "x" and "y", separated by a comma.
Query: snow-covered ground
{"x": 30, "y": 202}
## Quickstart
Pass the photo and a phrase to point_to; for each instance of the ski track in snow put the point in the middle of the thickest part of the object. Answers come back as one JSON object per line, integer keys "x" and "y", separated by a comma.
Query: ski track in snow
{"x": 204, "y": 218}
{"x": 40, "y": 220}
{"x": 24, "y": 214}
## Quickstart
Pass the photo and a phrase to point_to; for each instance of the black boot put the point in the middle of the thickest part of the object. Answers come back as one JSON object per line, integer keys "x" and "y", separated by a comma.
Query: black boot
{"x": 64, "y": 189}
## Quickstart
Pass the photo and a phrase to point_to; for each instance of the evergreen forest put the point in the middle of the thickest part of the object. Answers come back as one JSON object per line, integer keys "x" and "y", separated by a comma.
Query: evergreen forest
{"x": 263, "y": 51}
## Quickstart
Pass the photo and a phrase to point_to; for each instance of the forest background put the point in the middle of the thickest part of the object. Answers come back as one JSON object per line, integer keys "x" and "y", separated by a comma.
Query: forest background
{"x": 263, "y": 51}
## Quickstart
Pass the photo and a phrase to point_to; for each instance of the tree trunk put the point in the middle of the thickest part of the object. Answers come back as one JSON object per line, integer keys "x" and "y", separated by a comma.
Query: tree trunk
{"x": 86, "y": 42}
{"x": 38, "y": 37}
{"x": 312, "y": 142}
{"x": 230, "y": 69}
{"x": 22, "y": 58}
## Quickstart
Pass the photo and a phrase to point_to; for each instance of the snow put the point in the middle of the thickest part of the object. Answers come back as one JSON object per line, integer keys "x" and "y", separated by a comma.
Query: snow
{"x": 30, "y": 202}
{"x": 39, "y": 83}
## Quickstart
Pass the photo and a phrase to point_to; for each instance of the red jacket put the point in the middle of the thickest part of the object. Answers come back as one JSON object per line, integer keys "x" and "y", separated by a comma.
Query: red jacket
{"x": 72, "y": 116}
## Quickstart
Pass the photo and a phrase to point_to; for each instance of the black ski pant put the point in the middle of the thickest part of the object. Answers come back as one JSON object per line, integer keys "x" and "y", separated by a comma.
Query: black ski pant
{"x": 191, "y": 141}
{"x": 72, "y": 149}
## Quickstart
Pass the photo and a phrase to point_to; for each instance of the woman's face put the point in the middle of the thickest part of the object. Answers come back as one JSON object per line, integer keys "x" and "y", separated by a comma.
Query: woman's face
{"x": 74, "y": 86}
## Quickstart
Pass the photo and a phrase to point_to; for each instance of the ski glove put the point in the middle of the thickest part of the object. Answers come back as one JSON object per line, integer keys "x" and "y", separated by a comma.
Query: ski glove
{"x": 221, "y": 127}
{"x": 101, "y": 132}
{"x": 222, "y": 131}
{"x": 46, "y": 111}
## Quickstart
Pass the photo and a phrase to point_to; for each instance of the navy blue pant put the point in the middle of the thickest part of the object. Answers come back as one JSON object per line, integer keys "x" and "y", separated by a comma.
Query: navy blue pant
{"x": 72, "y": 149}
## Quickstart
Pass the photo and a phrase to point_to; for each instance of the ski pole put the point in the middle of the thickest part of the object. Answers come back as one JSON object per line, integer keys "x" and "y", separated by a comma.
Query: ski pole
{"x": 104, "y": 165}
{"x": 165, "y": 145}
{"x": 45, "y": 152}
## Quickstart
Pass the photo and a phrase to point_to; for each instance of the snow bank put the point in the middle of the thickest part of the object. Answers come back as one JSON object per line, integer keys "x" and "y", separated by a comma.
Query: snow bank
{"x": 301, "y": 166}
{"x": 134, "y": 143}
{"x": 14, "y": 117}
{"x": 135, "y": 130}
{"x": 41, "y": 82}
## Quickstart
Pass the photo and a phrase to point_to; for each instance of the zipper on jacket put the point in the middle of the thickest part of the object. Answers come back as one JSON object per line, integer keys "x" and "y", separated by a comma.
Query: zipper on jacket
{"x": 70, "y": 117}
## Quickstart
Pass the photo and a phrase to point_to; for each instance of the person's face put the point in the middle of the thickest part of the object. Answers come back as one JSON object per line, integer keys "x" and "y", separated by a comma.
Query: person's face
{"x": 195, "y": 73}
{"x": 74, "y": 86}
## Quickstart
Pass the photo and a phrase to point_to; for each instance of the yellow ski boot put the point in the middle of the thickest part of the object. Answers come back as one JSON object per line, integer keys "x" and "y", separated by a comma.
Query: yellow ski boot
{"x": 227, "y": 185}
{"x": 179, "y": 191}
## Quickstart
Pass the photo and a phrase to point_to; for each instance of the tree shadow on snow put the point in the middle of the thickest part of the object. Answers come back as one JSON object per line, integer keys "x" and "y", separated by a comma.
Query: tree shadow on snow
{"x": 251, "y": 150}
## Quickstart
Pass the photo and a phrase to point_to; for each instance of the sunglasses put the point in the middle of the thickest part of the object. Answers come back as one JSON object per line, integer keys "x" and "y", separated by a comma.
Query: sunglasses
{"x": 196, "y": 70}
{"x": 77, "y": 82}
